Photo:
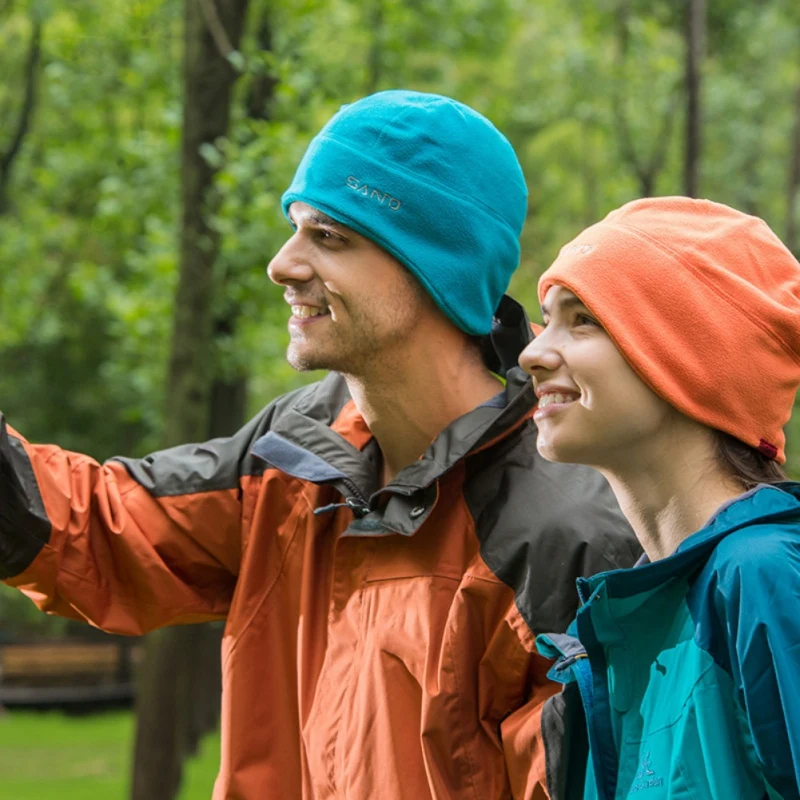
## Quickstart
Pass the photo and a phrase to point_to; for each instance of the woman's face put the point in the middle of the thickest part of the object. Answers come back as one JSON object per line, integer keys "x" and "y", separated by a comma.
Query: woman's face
{"x": 593, "y": 408}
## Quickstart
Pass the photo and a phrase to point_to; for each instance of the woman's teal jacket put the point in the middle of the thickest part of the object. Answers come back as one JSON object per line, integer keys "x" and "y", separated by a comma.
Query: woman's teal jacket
{"x": 687, "y": 669}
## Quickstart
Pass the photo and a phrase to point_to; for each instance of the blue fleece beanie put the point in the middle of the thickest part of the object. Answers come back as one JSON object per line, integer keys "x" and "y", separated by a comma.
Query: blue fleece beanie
{"x": 432, "y": 182}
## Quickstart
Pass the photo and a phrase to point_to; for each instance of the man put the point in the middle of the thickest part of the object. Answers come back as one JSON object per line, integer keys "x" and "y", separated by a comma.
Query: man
{"x": 385, "y": 543}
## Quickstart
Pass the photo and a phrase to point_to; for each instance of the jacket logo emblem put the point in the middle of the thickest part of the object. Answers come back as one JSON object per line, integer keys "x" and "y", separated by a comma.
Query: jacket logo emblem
{"x": 646, "y": 776}
{"x": 383, "y": 198}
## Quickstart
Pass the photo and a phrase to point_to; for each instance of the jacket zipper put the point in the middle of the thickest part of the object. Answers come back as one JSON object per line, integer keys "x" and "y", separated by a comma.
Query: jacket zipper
{"x": 356, "y": 502}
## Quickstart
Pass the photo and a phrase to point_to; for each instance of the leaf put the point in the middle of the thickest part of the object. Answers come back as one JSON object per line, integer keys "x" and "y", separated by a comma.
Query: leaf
{"x": 211, "y": 155}
{"x": 237, "y": 60}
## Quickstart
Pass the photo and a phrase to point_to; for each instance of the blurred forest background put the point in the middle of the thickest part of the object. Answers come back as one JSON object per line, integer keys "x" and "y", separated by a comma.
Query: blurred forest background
{"x": 144, "y": 146}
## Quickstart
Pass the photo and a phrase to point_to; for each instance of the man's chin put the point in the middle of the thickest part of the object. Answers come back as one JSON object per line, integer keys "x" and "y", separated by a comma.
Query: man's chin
{"x": 304, "y": 361}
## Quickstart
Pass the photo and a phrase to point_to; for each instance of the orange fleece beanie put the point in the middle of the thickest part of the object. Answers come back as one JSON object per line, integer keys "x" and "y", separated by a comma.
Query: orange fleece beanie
{"x": 704, "y": 303}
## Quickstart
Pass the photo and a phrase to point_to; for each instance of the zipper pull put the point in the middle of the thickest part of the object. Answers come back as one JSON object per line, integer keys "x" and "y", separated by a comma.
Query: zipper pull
{"x": 359, "y": 508}
{"x": 567, "y": 662}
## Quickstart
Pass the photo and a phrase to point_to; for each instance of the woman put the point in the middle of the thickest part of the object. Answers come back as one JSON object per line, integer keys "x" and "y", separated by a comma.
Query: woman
{"x": 669, "y": 361}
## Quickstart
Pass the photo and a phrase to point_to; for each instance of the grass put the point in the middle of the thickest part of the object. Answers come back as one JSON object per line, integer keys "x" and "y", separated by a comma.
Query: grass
{"x": 50, "y": 756}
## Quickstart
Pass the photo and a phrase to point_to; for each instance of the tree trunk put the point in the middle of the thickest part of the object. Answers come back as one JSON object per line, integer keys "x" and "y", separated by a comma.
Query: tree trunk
{"x": 209, "y": 77}
{"x": 375, "y": 25}
{"x": 261, "y": 91}
{"x": 794, "y": 183}
{"x": 645, "y": 169}
{"x": 695, "y": 49}
{"x": 179, "y": 666}
{"x": 9, "y": 155}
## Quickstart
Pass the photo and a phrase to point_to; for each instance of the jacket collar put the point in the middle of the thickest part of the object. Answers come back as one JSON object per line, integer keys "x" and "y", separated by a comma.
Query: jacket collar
{"x": 303, "y": 443}
{"x": 766, "y": 504}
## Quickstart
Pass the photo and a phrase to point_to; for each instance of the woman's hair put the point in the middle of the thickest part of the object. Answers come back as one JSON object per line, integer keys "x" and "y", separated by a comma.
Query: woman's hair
{"x": 745, "y": 463}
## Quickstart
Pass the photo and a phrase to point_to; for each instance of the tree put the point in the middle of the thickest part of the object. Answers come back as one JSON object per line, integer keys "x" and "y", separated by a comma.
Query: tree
{"x": 173, "y": 707}
{"x": 794, "y": 182}
{"x": 695, "y": 49}
{"x": 31, "y": 76}
{"x": 645, "y": 167}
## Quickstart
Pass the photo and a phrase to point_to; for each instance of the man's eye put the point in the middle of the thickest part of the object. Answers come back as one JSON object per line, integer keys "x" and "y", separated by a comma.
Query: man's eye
{"x": 328, "y": 237}
{"x": 585, "y": 319}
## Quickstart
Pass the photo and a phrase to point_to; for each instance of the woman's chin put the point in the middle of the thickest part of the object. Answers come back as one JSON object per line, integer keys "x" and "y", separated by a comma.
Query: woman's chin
{"x": 552, "y": 449}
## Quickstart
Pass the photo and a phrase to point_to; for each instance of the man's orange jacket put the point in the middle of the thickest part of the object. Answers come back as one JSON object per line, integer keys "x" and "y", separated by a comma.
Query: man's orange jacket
{"x": 379, "y": 642}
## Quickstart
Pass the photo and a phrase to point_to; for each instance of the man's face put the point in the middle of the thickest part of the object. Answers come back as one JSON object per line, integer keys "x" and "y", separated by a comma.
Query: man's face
{"x": 352, "y": 304}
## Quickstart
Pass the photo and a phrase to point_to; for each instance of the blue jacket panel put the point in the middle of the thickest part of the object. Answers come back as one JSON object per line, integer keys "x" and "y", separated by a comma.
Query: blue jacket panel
{"x": 688, "y": 669}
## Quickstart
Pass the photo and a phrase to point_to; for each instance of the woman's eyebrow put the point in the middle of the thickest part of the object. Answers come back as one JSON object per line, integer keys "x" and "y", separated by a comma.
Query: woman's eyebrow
{"x": 566, "y": 302}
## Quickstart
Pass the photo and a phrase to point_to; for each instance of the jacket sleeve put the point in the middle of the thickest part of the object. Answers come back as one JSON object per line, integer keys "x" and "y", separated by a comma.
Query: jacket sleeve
{"x": 129, "y": 545}
{"x": 523, "y": 743}
{"x": 757, "y": 604}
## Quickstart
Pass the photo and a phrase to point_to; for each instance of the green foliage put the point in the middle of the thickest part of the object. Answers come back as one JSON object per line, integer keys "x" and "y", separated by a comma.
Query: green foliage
{"x": 21, "y": 620}
{"x": 87, "y": 249}
{"x": 588, "y": 93}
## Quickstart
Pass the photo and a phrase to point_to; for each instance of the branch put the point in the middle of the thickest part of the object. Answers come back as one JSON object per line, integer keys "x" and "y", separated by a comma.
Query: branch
{"x": 794, "y": 181}
{"x": 31, "y": 75}
{"x": 374, "y": 60}
{"x": 217, "y": 29}
{"x": 627, "y": 147}
{"x": 661, "y": 145}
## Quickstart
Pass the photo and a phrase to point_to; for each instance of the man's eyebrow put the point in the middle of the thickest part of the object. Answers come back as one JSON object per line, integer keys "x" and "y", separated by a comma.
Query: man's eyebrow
{"x": 318, "y": 218}
{"x": 566, "y": 302}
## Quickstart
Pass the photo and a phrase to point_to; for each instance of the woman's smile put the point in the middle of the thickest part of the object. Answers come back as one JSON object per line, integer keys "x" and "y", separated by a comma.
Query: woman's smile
{"x": 553, "y": 399}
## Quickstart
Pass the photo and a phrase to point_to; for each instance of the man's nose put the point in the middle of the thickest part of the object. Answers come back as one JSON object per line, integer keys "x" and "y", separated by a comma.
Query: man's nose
{"x": 541, "y": 353}
{"x": 290, "y": 264}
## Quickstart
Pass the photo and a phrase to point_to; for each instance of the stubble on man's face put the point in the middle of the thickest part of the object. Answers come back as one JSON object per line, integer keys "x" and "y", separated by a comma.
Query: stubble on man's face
{"x": 357, "y": 303}
{"x": 365, "y": 335}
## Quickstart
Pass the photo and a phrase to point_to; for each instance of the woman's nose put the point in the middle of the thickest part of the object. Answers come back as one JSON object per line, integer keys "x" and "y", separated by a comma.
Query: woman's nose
{"x": 540, "y": 354}
{"x": 290, "y": 264}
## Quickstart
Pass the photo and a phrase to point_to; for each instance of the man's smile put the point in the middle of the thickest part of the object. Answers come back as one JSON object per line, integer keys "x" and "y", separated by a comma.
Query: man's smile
{"x": 305, "y": 312}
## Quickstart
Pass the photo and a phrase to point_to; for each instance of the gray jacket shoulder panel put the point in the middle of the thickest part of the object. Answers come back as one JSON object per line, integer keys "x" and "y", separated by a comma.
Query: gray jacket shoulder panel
{"x": 542, "y": 525}
{"x": 218, "y": 464}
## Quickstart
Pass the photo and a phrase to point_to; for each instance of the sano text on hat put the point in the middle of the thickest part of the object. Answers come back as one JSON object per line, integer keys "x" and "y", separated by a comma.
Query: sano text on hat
{"x": 374, "y": 194}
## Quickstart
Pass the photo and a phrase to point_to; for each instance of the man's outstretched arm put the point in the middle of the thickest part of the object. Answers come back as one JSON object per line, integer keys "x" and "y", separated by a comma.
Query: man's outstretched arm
{"x": 129, "y": 545}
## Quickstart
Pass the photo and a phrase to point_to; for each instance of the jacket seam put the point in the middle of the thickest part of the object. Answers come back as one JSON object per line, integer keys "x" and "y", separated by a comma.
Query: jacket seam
{"x": 440, "y": 576}
{"x": 289, "y": 546}
{"x": 346, "y": 694}
{"x": 159, "y": 497}
{"x": 681, "y": 713}
{"x": 467, "y": 755}
{"x": 126, "y": 600}
{"x": 492, "y": 581}
{"x": 689, "y": 784}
